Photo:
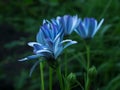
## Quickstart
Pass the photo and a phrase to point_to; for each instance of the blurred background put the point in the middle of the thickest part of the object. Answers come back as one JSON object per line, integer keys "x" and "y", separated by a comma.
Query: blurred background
{"x": 19, "y": 23}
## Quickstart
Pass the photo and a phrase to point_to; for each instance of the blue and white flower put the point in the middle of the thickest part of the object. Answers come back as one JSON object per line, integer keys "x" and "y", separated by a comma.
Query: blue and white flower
{"x": 88, "y": 27}
{"x": 69, "y": 23}
{"x": 50, "y": 43}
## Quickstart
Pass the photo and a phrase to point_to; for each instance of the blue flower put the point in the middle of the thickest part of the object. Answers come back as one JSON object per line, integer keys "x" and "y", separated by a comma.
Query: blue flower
{"x": 69, "y": 23}
{"x": 88, "y": 27}
{"x": 50, "y": 43}
{"x": 55, "y": 21}
{"x": 48, "y": 31}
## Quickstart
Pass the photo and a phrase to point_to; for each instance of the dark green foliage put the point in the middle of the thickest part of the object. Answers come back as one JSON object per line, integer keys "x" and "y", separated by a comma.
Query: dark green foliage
{"x": 20, "y": 21}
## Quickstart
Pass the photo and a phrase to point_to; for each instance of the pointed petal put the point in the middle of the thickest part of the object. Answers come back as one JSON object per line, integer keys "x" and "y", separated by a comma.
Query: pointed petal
{"x": 43, "y": 51}
{"x": 75, "y": 21}
{"x": 38, "y": 47}
{"x": 69, "y": 42}
{"x": 100, "y": 23}
{"x": 44, "y": 21}
{"x": 56, "y": 38}
{"x": 81, "y": 30}
{"x": 31, "y": 57}
{"x": 86, "y": 24}
{"x": 46, "y": 31}
{"x": 33, "y": 67}
{"x": 40, "y": 37}
{"x": 32, "y": 44}
{"x": 65, "y": 23}
{"x": 69, "y": 25}
{"x": 49, "y": 44}
{"x": 97, "y": 27}
{"x": 36, "y": 44}
{"x": 92, "y": 27}
{"x": 56, "y": 44}
{"x": 57, "y": 48}
{"x": 54, "y": 31}
{"x": 58, "y": 52}
{"x": 24, "y": 59}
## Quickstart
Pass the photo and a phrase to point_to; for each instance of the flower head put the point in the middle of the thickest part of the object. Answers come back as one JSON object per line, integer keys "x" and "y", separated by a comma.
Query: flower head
{"x": 69, "y": 23}
{"x": 50, "y": 43}
{"x": 88, "y": 27}
{"x": 48, "y": 32}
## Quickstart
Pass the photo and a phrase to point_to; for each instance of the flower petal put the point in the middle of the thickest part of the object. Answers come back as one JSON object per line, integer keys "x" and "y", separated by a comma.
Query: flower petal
{"x": 57, "y": 48}
{"x": 86, "y": 24}
{"x": 33, "y": 67}
{"x": 97, "y": 27}
{"x": 100, "y": 23}
{"x": 40, "y": 37}
{"x": 75, "y": 22}
{"x": 81, "y": 30}
{"x": 92, "y": 27}
{"x": 43, "y": 51}
{"x": 32, "y": 44}
{"x": 23, "y": 59}
{"x": 69, "y": 42}
{"x": 31, "y": 57}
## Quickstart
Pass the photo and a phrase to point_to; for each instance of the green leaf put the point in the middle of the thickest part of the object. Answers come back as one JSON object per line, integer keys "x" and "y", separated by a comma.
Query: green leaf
{"x": 114, "y": 84}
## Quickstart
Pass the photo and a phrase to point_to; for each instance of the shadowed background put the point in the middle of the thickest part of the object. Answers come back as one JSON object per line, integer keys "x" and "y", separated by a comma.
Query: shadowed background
{"x": 19, "y": 23}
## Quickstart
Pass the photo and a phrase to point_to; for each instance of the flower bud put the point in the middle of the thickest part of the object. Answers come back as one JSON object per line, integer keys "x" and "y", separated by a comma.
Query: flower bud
{"x": 71, "y": 78}
{"x": 92, "y": 72}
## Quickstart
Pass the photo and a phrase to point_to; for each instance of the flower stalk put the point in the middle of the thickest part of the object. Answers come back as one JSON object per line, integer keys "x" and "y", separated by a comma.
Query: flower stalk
{"x": 42, "y": 76}
{"x": 50, "y": 78}
{"x": 66, "y": 66}
{"x": 87, "y": 84}
{"x": 60, "y": 77}
{"x": 49, "y": 44}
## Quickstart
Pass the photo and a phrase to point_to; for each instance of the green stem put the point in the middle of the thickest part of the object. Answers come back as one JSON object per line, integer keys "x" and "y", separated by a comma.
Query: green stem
{"x": 88, "y": 57}
{"x": 50, "y": 78}
{"x": 60, "y": 77}
{"x": 87, "y": 84}
{"x": 68, "y": 86}
{"x": 66, "y": 69}
{"x": 106, "y": 8}
{"x": 79, "y": 84}
{"x": 42, "y": 77}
